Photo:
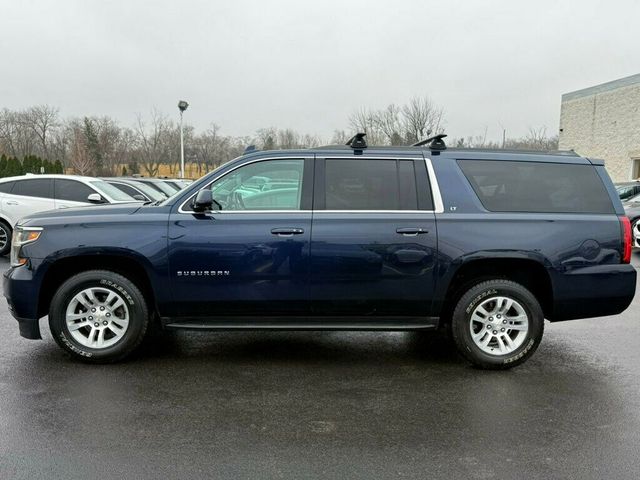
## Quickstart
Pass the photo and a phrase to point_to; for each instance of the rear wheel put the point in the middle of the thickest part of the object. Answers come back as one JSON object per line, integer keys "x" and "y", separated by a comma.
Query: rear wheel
{"x": 497, "y": 324}
{"x": 5, "y": 238}
{"x": 98, "y": 316}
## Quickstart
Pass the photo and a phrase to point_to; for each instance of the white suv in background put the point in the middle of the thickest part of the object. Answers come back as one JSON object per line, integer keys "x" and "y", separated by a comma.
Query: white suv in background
{"x": 27, "y": 194}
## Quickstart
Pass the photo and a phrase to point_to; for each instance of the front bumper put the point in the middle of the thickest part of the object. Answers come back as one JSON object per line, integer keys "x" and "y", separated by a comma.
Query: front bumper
{"x": 21, "y": 291}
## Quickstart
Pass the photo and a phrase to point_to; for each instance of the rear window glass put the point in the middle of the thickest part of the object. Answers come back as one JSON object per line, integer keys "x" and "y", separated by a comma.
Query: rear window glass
{"x": 367, "y": 184}
{"x": 507, "y": 186}
{"x": 40, "y": 187}
{"x": 5, "y": 187}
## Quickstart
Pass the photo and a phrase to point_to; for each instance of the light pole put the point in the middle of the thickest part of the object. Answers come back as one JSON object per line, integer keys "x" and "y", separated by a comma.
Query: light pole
{"x": 182, "y": 106}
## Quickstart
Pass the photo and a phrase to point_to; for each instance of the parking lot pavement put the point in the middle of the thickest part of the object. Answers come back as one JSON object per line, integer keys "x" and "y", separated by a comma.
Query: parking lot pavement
{"x": 324, "y": 404}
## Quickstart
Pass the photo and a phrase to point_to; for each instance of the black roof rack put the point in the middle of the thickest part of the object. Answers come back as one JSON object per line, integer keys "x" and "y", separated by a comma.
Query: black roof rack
{"x": 435, "y": 143}
{"x": 357, "y": 141}
{"x": 250, "y": 149}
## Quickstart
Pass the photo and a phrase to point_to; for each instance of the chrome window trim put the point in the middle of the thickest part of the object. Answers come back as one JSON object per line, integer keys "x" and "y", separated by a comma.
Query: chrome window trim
{"x": 435, "y": 188}
{"x": 438, "y": 205}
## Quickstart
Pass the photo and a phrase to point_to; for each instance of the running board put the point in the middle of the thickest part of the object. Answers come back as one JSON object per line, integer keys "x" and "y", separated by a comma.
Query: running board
{"x": 303, "y": 323}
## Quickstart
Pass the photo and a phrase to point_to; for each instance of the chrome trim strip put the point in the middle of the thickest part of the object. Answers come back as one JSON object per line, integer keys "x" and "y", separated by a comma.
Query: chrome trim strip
{"x": 438, "y": 205}
{"x": 435, "y": 189}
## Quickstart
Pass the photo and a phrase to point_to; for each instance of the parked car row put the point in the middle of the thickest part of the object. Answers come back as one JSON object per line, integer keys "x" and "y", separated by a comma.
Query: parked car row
{"x": 629, "y": 193}
{"x": 632, "y": 210}
{"x": 29, "y": 194}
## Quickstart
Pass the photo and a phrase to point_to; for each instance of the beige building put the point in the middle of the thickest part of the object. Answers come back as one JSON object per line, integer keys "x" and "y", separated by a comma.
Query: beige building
{"x": 604, "y": 122}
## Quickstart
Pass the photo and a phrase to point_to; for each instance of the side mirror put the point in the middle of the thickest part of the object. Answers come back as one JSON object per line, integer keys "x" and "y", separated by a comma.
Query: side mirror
{"x": 95, "y": 198}
{"x": 203, "y": 201}
{"x": 140, "y": 197}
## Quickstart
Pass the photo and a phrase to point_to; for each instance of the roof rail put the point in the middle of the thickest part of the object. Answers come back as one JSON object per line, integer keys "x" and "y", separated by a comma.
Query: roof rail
{"x": 357, "y": 141}
{"x": 435, "y": 143}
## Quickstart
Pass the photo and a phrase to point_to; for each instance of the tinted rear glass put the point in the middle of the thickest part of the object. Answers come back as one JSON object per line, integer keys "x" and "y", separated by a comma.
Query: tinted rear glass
{"x": 5, "y": 187}
{"x": 370, "y": 185}
{"x": 506, "y": 186}
{"x": 40, "y": 187}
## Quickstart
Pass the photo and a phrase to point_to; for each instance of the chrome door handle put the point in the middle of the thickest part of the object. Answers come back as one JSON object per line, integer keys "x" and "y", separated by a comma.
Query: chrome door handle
{"x": 287, "y": 232}
{"x": 11, "y": 202}
{"x": 411, "y": 231}
{"x": 63, "y": 206}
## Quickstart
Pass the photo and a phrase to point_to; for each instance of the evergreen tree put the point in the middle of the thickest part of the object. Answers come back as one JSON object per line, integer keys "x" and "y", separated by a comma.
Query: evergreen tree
{"x": 14, "y": 167}
{"x": 3, "y": 165}
{"x": 57, "y": 167}
{"x": 124, "y": 171}
{"x": 93, "y": 144}
{"x": 36, "y": 163}
{"x": 26, "y": 164}
{"x": 48, "y": 166}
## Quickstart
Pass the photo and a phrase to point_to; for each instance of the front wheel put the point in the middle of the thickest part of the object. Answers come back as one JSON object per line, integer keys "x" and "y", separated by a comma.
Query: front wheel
{"x": 497, "y": 324}
{"x": 98, "y": 316}
{"x": 5, "y": 238}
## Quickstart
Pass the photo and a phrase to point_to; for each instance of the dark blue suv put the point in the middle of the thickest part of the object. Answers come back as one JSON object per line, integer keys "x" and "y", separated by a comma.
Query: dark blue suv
{"x": 485, "y": 243}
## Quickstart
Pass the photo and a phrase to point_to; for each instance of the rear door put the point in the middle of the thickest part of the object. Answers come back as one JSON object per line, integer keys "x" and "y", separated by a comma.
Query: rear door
{"x": 374, "y": 240}
{"x": 28, "y": 196}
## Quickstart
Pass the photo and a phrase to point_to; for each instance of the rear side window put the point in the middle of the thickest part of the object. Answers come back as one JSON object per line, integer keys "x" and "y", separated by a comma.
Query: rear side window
{"x": 5, "y": 187}
{"x": 40, "y": 187}
{"x": 507, "y": 186}
{"x": 363, "y": 184}
{"x": 72, "y": 191}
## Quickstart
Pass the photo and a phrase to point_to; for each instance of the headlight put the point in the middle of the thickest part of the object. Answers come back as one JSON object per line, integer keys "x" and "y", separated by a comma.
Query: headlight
{"x": 22, "y": 236}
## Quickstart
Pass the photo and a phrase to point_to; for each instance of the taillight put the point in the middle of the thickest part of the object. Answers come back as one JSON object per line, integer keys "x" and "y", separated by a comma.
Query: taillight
{"x": 626, "y": 239}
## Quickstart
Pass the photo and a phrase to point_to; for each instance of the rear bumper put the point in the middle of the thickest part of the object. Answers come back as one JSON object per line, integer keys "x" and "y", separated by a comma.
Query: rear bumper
{"x": 21, "y": 292}
{"x": 595, "y": 291}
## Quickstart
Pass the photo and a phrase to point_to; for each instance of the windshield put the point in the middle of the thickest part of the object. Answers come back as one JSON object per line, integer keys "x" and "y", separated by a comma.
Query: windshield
{"x": 112, "y": 192}
{"x": 150, "y": 192}
{"x": 163, "y": 187}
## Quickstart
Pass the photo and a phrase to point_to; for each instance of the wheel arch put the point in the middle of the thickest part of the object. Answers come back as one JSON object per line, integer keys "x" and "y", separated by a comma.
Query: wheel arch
{"x": 126, "y": 264}
{"x": 530, "y": 273}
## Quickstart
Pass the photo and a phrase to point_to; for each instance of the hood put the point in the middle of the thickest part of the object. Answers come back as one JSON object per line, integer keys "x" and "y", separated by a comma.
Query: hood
{"x": 70, "y": 214}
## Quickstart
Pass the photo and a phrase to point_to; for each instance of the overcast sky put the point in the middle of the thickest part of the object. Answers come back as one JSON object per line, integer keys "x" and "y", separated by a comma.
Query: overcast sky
{"x": 308, "y": 65}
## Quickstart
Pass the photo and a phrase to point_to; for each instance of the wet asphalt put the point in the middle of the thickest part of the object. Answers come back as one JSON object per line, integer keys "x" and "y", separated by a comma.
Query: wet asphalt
{"x": 324, "y": 405}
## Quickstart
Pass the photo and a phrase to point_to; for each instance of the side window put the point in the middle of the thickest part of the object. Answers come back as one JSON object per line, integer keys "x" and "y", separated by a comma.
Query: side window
{"x": 37, "y": 187}
{"x": 5, "y": 187}
{"x": 363, "y": 184}
{"x": 266, "y": 185}
{"x": 72, "y": 190}
{"x": 510, "y": 186}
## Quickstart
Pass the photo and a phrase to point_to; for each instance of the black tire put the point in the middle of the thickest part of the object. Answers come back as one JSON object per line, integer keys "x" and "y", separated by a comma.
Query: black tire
{"x": 484, "y": 291}
{"x": 6, "y": 232}
{"x": 137, "y": 311}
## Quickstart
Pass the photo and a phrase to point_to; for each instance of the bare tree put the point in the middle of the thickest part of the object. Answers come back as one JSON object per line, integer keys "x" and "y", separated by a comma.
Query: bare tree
{"x": 366, "y": 121}
{"x": 389, "y": 123}
{"x": 79, "y": 158}
{"x": 421, "y": 119}
{"x": 152, "y": 142}
{"x": 41, "y": 119}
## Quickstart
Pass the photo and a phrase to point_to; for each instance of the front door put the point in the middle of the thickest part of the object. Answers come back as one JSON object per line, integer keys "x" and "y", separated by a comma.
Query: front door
{"x": 374, "y": 242}
{"x": 250, "y": 257}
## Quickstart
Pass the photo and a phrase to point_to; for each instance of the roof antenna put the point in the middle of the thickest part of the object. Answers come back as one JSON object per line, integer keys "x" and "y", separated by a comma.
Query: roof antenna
{"x": 357, "y": 141}
{"x": 435, "y": 143}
